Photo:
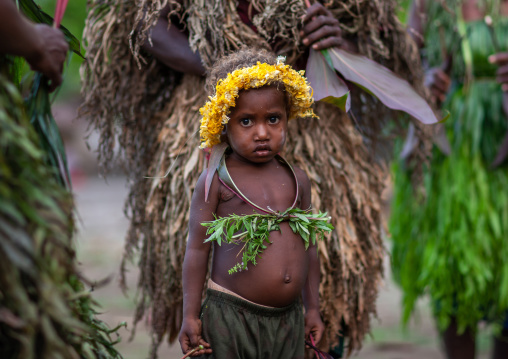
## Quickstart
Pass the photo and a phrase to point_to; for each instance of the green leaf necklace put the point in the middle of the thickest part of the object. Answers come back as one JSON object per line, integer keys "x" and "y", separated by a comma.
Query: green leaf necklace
{"x": 253, "y": 230}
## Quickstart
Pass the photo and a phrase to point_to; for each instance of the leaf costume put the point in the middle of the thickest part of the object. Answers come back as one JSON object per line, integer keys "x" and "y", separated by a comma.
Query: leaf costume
{"x": 45, "y": 311}
{"x": 151, "y": 112}
{"x": 449, "y": 238}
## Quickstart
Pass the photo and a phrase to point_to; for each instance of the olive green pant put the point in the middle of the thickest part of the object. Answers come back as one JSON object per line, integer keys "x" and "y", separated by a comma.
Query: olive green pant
{"x": 236, "y": 328}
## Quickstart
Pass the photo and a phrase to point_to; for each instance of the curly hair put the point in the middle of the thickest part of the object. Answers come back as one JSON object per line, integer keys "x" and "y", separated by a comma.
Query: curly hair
{"x": 245, "y": 57}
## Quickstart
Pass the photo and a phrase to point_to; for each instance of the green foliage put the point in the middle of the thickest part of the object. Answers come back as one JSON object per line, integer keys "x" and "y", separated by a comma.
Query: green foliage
{"x": 403, "y": 10}
{"x": 49, "y": 314}
{"x": 253, "y": 231}
{"x": 39, "y": 110}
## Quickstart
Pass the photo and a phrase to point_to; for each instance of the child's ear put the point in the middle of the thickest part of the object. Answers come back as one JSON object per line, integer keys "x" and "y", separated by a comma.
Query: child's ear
{"x": 224, "y": 134}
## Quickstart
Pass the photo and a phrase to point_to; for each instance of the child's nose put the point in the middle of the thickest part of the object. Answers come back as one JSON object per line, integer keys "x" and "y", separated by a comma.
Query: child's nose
{"x": 262, "y": 132}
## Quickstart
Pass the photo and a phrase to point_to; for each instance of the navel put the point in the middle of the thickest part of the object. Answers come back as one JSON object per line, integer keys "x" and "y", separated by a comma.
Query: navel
{"x": 287, "y": 278}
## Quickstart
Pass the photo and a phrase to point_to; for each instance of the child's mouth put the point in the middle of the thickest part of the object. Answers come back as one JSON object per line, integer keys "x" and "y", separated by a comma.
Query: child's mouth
{"x": 262, "y": 150}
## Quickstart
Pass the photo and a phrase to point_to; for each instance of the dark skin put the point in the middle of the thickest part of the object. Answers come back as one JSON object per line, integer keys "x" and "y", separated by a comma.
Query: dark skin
{"x": 461, "y": 346}
{"x": 256, "y": 132}
{"x": 171, "y": 46}
{"x": 43, "y": 47}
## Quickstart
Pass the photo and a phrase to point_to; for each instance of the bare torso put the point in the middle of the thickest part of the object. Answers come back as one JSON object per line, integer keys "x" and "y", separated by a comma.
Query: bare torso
{"x": 280, "y": 274}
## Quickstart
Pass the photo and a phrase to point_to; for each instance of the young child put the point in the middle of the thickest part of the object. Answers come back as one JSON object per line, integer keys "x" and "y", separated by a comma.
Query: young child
{"x": 253, "y": 307}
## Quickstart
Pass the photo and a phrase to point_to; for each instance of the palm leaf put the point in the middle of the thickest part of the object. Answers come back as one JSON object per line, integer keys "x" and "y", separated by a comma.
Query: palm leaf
{"x": 327, "y": 86}
{"x": 393, "y": 91}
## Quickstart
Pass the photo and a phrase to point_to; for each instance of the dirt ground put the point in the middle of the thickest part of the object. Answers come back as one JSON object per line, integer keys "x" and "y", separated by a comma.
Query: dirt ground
{"x": 100, "y": 246}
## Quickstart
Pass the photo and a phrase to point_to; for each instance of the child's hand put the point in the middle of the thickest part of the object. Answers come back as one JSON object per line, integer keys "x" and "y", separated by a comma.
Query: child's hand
{"x": 501, "y": 59}
{"x": 313, "y": 325}
{"x": 190, "y": 338}
{"x": 321, "y": 30}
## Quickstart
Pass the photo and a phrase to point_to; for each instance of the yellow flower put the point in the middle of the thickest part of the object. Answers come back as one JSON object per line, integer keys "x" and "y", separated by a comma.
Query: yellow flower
{"x": 215, "y": 111}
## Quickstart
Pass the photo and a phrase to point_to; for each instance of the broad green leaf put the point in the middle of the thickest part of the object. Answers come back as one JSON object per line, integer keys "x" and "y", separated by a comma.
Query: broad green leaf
{"x": 302, "y": 217}
{"x": 231, "y": 232}
{"x": 313, "y": 235}
{"x": 327, "y": 86}
{"x": 393, "y": 91}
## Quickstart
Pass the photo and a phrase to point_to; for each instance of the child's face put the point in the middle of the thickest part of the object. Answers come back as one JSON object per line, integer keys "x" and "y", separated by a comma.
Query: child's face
{"x": 257, "y": 127}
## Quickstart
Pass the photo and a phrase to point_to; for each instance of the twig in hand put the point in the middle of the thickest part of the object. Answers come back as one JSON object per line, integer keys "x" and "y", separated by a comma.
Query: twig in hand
{"x": 200, "y": 347}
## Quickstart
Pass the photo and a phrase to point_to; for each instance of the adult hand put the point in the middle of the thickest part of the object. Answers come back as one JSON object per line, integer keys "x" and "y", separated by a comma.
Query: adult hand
{"x": 438, "y": 82}
{"x": 321, "y": 30}
{"x": 49, "y": 54}
{"x": 314, "y": 325}
{"x": 501, "y": 60}
{"x": 190, "y": 338}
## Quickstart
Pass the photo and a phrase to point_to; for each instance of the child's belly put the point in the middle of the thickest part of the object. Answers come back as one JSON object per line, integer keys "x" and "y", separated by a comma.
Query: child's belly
{"x": 279, "y": 276}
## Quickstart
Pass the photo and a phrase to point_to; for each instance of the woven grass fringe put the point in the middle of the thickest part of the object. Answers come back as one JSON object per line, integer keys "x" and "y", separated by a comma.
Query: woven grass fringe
{"x": 151, "y": 112}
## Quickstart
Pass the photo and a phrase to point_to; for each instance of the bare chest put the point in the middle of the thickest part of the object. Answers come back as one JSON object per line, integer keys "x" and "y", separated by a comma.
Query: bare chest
{"x": 274, "y": 190}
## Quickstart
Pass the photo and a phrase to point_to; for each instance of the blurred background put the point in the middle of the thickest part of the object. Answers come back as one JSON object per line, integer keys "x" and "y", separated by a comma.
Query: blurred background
{"x": 102, "y": 227}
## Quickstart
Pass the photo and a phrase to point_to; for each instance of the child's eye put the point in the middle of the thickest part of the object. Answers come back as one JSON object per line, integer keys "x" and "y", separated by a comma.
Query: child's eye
{"x": 246, "y": 121}
{"x": 273, "y": 120}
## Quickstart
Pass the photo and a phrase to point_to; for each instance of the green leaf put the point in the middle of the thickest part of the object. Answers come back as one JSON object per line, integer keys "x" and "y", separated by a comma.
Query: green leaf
{"x": 230, "y": 232}
{"x": 313, "y": 235}
{"x": 303, "y": 228}
{"x": 302, "y": 217}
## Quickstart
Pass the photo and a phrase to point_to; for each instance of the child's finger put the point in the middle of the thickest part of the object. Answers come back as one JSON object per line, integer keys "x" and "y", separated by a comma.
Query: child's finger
{"x": 317, "y": 334}
{"x": 203, "y": 343}
{"x": 194, "y": 340}
{"x": 185, "y": 346}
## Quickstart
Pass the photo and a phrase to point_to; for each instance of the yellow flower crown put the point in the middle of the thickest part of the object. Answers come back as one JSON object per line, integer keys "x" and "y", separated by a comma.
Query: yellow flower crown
{"x": 215, "y": 112}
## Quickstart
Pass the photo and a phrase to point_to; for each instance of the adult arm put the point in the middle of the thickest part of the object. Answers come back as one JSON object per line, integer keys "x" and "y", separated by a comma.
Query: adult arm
{"x": 436, "y": 79}
{"x": 195, "y": 266}
{"x": 170, "y": 45}
{"x": 313, "y": 323}
{"x": 416, "y": 21}
{"x": 43, "y": 47}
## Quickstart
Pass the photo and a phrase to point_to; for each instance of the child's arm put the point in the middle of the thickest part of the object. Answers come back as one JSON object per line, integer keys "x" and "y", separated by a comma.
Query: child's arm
{"x": 313, "y": 323}
{"x": 195, "y": 266}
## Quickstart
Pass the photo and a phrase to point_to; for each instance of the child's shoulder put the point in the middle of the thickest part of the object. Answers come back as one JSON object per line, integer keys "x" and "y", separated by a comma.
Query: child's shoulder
{"x": 301, "y": 176}
{"x": 303, "y": 184}
{"x": 207, "y": 186}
